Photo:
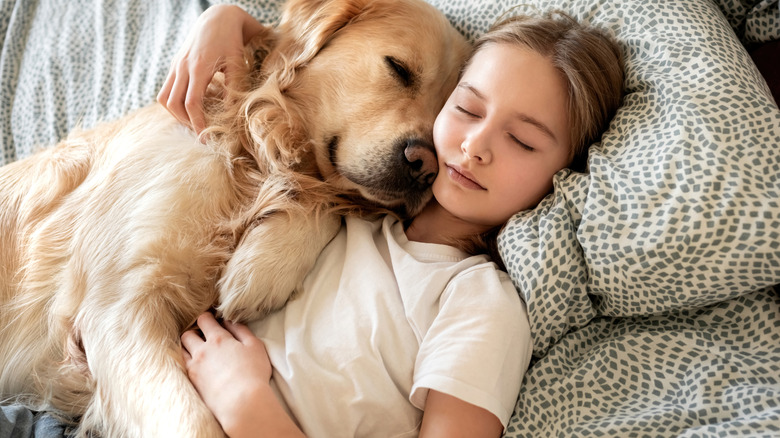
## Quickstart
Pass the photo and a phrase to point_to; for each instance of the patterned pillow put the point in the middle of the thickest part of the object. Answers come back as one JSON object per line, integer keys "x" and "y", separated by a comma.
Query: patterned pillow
{"x": 680, "y": 207}
{"x": 753, "y": 20}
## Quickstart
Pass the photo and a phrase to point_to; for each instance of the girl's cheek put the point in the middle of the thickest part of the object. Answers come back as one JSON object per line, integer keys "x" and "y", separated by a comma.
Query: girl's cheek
{"x": 439, "y": 132}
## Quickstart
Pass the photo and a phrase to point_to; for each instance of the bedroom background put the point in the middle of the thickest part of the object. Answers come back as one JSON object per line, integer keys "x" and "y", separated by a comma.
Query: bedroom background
{"x": 651, "y": 281}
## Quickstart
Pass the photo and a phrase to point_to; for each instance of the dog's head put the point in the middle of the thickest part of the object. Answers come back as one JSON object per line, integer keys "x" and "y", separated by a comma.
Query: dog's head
{"x": 370, "y": 76}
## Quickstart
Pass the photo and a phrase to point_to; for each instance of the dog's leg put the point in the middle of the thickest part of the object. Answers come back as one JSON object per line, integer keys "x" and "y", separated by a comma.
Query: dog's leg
{"x": 271, "y": 261}
{"x": 129, "y": 325}
{"x": 143, "y": 392}
{"x": 30, "y": 334}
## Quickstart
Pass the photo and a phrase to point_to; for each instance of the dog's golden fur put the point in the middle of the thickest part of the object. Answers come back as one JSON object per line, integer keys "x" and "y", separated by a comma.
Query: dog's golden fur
{"x": 116, "y": 239}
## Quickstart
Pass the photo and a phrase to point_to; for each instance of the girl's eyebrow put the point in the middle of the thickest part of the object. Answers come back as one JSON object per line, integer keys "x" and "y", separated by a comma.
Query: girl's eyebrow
{"x": 536, "y": 123}
{"x": 469, "y": 87}
{"x": 525, "y": 118}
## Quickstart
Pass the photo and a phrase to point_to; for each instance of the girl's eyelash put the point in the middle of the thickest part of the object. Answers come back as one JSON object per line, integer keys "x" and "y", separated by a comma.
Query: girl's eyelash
{"x": 464, "y": 111}
{"x": 522, "y": 145}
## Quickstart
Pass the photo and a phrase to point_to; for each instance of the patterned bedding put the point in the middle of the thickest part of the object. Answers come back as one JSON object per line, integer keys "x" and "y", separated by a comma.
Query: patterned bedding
{"x": 650, "y": 281}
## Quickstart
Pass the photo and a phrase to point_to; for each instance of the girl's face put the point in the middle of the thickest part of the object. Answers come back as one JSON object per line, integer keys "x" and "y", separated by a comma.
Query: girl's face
{"x": 501, "y": 136}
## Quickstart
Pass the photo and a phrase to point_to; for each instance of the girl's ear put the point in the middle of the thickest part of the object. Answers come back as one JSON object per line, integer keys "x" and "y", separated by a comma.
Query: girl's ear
{"x": 306, "y": 26}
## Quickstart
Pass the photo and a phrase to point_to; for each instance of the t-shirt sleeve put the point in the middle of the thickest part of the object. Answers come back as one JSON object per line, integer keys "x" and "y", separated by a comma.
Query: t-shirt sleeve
{"x": 479, "y": 345}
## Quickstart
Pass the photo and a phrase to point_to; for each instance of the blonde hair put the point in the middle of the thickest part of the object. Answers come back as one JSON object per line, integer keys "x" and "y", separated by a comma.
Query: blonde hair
{"x": 590, "y": 63}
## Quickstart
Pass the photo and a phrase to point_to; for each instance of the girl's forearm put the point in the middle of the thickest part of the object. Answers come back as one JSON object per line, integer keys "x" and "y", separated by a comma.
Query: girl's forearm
{"x": 261, "y": 416}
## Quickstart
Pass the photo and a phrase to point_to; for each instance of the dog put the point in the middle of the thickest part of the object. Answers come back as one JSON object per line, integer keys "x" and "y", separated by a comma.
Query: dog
{"x": 116, "y": 239}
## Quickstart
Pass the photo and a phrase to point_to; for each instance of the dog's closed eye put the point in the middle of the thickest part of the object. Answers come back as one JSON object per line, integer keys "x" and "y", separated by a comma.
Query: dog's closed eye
{"x": 400, "y": 71}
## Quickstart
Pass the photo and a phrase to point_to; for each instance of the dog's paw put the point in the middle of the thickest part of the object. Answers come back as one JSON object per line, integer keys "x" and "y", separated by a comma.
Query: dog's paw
{"x": 247, "y": 293}
{"x": 263, "y": 273}
{"x": 270, "y": 263}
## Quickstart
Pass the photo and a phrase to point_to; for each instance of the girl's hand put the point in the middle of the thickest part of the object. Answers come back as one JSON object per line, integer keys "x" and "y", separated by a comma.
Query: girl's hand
{"x": 216, "y": 43}
{"x": 230, "y": 369}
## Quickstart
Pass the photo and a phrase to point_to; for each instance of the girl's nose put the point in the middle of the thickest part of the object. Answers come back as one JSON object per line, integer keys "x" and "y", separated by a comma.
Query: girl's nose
{"x": 476, "y": 146}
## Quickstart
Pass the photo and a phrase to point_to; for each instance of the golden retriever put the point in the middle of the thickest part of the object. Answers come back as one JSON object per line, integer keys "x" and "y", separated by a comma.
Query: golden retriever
{"x": 116, "y": 239}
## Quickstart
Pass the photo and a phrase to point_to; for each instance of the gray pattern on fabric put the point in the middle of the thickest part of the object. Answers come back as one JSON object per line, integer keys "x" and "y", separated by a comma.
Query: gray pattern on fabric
{"x": 647, "y": 280}
{"x": 763, "y": 22}
{"x": 754, "y": 21}
{"x": 69, "y": 64}
{"x": 704, "y": 372}
{"x": 74, "y": 63}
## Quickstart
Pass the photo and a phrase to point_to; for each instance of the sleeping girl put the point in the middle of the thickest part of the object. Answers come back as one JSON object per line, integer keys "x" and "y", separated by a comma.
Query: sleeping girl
{"x": 406, "y": 327}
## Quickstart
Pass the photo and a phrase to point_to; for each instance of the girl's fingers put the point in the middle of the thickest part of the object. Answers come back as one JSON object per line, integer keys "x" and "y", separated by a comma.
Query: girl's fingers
{"x": 182, "y": 95}
{"x": 175, "y": 103}
{"x": 193, "y": 103}
{"x": 234, "y": 66}
{"x": 190, "y": 340}
{"x": 186, "y": 356}
{"x": 209, "y": 325}
{"x": 165, "y": 91}
{"x": 241, "y": 332}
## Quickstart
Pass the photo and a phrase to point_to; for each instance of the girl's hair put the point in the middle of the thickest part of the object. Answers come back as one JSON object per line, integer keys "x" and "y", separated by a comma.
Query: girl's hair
{"x": 590, "y": 63}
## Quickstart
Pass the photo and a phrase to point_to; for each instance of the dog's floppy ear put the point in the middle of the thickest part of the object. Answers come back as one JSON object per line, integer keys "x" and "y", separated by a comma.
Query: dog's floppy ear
{"x": 274, "y": 133}
{"x": 312, "y": 23}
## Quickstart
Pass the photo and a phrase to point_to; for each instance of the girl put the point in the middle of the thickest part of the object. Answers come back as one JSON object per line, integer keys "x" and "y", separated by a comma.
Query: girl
{"x": 400, "y": 329}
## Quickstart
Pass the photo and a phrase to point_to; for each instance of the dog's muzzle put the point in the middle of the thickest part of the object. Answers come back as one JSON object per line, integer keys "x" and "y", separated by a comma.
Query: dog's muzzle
{"x": 401, "y": 176}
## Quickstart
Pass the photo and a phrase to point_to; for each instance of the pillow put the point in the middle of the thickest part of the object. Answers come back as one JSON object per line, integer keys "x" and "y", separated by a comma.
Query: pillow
{"x": 680, "y": 208}
{"x": 753, "y": 20}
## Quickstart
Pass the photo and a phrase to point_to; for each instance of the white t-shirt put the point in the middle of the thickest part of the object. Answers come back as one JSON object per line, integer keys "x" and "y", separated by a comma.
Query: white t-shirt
{"x": 380, "y": 320}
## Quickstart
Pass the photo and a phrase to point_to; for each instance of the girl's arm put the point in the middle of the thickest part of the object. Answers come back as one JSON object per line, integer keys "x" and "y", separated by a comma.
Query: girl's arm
{"x": 216, "y": 43}
{"x": 451, "y": 417}
{"x": 497, "y": 347}
{"x": 230, "y": 368}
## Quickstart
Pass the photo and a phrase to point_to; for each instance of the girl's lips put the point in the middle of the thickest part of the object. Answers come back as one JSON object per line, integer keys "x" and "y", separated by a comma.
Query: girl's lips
{"x": 463, "y": 177}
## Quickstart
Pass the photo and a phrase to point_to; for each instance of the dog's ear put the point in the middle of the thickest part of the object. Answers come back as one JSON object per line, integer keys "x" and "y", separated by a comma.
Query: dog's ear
{"x": 310, "y": 24}
{"x": 274, "y": 133}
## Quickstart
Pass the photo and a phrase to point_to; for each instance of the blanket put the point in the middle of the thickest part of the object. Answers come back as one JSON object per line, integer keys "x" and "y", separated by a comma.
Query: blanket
{"x": 651, "y": 280}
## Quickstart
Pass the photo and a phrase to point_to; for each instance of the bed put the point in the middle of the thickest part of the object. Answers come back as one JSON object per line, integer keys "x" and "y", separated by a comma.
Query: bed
{"x": 651, "y": 281}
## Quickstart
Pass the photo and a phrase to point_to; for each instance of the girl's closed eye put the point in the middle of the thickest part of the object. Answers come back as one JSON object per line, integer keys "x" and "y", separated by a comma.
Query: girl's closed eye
{"x": 522, "y": 144}
{"x": 465, "y": 111}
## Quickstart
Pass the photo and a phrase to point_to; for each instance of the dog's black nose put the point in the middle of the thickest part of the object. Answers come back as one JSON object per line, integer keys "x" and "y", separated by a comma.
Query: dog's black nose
{"x": 421, "y": 161}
